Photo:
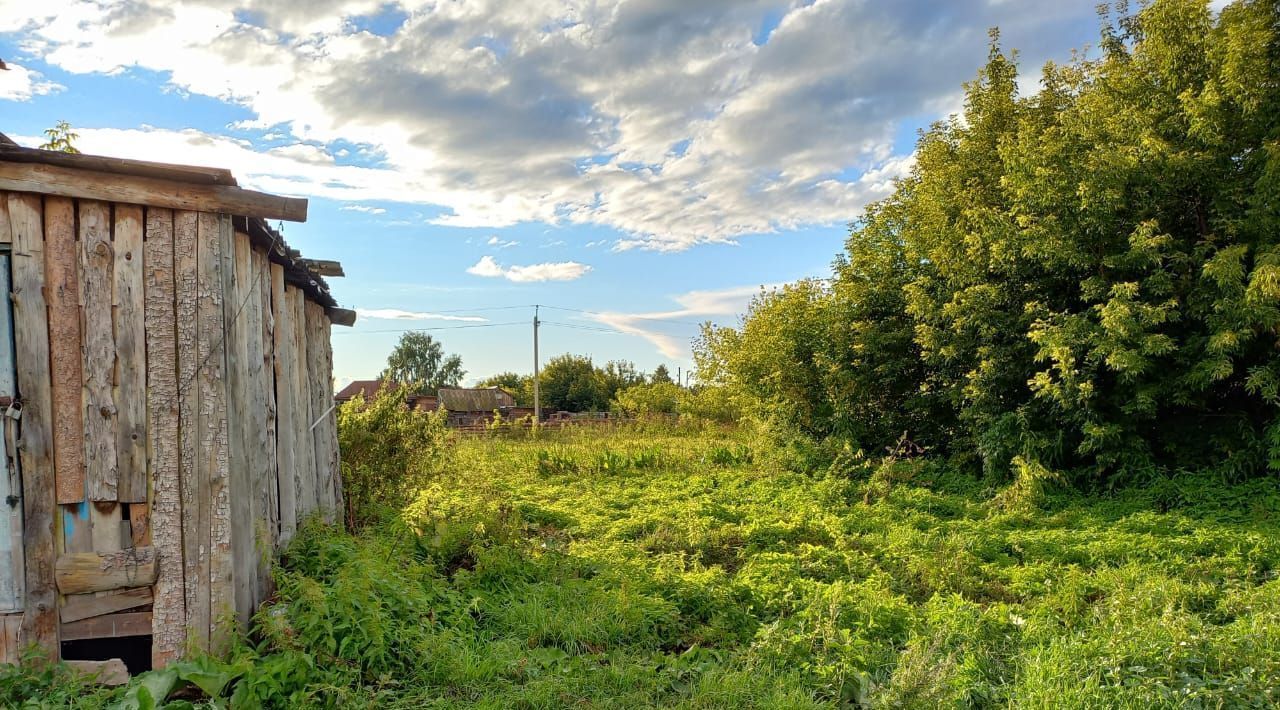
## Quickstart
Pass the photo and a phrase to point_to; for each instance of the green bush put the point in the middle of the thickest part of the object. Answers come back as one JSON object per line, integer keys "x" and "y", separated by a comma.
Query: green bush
{"x": 389, "y": 453}
{"x": 1087, "y": 278}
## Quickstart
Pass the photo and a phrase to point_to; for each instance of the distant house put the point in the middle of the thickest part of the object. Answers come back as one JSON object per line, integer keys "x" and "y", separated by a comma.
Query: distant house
{"x": 472, "y": 406}
{"x": 365, "y": 388}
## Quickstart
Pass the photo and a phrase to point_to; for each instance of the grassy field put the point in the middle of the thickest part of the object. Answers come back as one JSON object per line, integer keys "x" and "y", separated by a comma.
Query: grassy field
{"x": 661, "y": 569}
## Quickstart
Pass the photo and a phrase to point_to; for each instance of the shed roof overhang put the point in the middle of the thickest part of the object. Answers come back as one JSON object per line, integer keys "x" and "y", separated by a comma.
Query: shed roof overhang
{"x": 174, "y": 186}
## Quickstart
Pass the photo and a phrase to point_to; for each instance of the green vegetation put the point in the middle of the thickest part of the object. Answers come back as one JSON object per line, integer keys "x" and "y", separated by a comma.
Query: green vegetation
{"x": 1086, "y": 279}
{"x": 1062, "y": 329}
{"x": 61, "y": 138}
{"x": 418, "y": 360}
{"x": 657, "y": 567}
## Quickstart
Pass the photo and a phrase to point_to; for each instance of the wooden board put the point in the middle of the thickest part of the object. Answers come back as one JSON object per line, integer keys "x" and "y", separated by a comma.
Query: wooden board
{"x": 63, "y": 288}
{"x": 215, "y": 258}
{"x": 99, "y": 350}
{"x": 306, "y": 468}
{"x": 10, "y": 642}
{"x": 330, "y": 423}
{"x": 268, "y": 486}
{"x": 131, "y": 356}
{"x": 129, "y": 623}
{"x": 84, "y": 606}
{"x": 194, "y": 483}
{"x": 285, "y": 354}
{"x": 104, "y": 522}
{"x": 321, "y": 392}
{"x": 169, "y": 615}
{"x": 84, "y": 572}
{"x": 93, "y": 185}
{"x": 40, "y": 618}
{"x": 10, "y": 480}
{"x": 241, "y": 329}
{"x": 76, "y": 527}
{"x": 124, "y": 166}
{"x": 139, "y": 525}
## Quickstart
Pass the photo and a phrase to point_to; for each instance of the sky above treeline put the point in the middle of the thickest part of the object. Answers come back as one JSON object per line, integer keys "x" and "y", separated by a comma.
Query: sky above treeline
{"x": 636, "y": 167}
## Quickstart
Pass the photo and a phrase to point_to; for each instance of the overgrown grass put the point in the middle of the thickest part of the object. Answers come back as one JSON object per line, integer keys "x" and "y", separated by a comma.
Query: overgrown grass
{"x": 662, "y": 569}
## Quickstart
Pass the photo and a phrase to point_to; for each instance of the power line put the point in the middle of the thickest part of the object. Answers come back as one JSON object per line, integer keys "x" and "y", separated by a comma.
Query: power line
{"x": 591, "y": 328}
{"x": 439, "y": 327}
{"x": 625, "y": 315}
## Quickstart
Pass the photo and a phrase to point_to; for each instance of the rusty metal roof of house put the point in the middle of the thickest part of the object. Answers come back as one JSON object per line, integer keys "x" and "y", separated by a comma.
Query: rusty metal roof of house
{"x": 484, "y": 399}
{"x": 367, "y": 388}
{"x": 209, "y": 186}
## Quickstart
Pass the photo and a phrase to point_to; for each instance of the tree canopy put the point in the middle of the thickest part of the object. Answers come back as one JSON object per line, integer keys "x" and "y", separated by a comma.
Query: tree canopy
{"x": 1088, "y": 277}
{"x": 419, "y": 362}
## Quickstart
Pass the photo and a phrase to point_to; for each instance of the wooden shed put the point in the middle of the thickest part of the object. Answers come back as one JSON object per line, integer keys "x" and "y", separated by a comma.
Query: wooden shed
{"x": 167, "y": 391}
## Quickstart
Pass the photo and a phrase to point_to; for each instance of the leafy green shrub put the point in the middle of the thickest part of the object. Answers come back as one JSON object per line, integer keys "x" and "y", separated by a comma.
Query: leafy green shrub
{"x": 389, "y": 452}
{"x": 1087, "y": 277}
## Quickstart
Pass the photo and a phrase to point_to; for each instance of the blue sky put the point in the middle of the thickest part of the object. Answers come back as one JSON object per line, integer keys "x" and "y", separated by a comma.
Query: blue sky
{"x": 648, "y": 164}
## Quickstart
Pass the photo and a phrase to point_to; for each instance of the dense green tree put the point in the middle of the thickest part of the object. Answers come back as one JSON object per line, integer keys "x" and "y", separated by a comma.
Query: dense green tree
{"x": 661, "y": 374}
{"x": 572, "y": 383}
{"x": 419, "y": 362}
{"x": 1087, "y": 278}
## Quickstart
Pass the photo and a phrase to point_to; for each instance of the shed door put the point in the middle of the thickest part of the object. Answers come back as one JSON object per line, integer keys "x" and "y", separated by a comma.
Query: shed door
{"x": 10, "y": 482}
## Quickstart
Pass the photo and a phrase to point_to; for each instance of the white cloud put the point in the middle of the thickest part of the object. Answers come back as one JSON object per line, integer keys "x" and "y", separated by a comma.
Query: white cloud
{"x": 663, "y": 120}
{"x": 367, "y": 209}
{"x": 21, "y": 84}
{"x": 494, "y": 241}
{"x": 397, "y": 314}
{"x": 559, "y": 271}
{"x": 695, "y": 306}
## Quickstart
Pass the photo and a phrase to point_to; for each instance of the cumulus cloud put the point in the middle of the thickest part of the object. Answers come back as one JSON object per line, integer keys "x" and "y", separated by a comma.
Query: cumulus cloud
{"x": 694, "y": 306}
{"x": 367, "y": 209}
{"x": 494, "y": 241}
{"x": 21, "y": 84}
{"x": 397, "y": 314}
{"x": 674, "y": 123}
{"x": 558, "y": 271}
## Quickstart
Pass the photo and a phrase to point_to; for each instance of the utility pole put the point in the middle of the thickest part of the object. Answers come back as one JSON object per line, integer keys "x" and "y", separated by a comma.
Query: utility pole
{"x": 537, "y": 400}
{"x": 679, "y": 377}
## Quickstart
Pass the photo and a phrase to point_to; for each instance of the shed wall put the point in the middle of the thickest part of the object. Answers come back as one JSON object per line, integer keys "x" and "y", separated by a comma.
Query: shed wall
{"x": 177, "y": 422}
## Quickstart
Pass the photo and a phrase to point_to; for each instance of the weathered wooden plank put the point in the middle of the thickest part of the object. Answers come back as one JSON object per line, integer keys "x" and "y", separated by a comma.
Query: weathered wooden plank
{"x": 342, "y": 316}
{"x": 285, "y": 352}
{"x": 124, "y": 166}
{"x": 324, "y": 267}
{"x": 93, "y": 185}
{"x": 77, "y": 533}
{"x": 40, "y": 618}
{"x": 111, "y": 672}
{"x": 139, "y": 524}
{"x": 129, "y": 623}
{"x": 241, "y": 330}
{"x": 268, "y": 494}
{"x": 330, "y": 422}
{"x": 84, "y": 606}
{"x": 10, "y": 645}
{"x": 215, "y": 259}
{"x": 99, "y": 351}
{"x": 10, "y": 479}
{"x": 306, "y": 469}
{"x": 131, "y": 356}
{"x": 84, "y": 572}
{"x": 104, "y": 521}
{"x": 193, "y": 472}
{"x": 63, "y": 288}
{"x": 168, "y": 635}
{"x": 321, "y": 391}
